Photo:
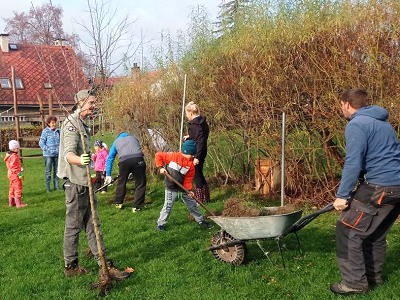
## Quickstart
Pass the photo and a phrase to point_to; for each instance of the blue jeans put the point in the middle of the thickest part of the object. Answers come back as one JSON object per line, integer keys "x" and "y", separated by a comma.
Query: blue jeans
{"x": 170, "y": 198}
{"x": 51, "y": 163}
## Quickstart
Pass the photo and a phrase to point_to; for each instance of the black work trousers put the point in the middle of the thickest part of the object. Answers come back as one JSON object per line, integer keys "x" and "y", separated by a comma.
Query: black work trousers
{"x": 136, "y": 166}
{"x": 361, "y": 234}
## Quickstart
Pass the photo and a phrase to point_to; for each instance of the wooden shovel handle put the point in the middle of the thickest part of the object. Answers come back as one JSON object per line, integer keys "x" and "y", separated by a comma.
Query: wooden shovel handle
{"x": 184, "y": 189}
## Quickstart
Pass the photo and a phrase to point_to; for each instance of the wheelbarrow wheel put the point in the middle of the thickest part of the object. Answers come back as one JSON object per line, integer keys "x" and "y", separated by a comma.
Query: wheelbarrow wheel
{"x": 228, "y": 250}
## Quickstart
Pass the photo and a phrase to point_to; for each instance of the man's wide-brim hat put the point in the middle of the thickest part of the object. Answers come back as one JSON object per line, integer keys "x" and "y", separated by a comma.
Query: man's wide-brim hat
{"x": 82, "y": 95}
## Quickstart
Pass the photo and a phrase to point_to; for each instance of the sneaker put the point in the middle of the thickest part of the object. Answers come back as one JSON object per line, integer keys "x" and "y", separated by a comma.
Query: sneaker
{"x": 205, "y": 225}
{"x": 118, "y": 206}
{"x": 103, "y": 192}
{"x": 75, "y": 270}
{"x": 161, "y": 227}
{"x": 342, "y": 289}
{"x": 115, "y": 273}
{"x": 135, "y": 210}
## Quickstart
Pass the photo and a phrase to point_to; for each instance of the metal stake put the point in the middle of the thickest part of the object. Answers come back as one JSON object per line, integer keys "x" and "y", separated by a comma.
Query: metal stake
{"x": 183, "y": 113}
{"x": 283, "y": 160}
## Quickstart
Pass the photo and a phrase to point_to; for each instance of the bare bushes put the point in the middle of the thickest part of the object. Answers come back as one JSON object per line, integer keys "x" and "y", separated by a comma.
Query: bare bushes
{"x": 298, "y": 62}
{"x": 296, "y": 59}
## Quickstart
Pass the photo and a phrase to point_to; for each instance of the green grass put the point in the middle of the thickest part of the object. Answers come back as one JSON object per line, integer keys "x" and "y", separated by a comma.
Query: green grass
{"x": 168, "y": 265}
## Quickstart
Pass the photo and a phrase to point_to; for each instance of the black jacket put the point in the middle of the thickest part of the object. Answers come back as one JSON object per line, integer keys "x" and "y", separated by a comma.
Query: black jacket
{"x": 198, "y": 132}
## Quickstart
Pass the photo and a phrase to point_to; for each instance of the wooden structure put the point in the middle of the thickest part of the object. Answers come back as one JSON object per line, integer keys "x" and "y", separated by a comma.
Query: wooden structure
{"x": 267, "y": 176}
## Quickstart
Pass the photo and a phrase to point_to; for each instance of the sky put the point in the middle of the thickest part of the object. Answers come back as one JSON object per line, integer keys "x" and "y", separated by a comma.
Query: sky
{"x": 152, "y": 16}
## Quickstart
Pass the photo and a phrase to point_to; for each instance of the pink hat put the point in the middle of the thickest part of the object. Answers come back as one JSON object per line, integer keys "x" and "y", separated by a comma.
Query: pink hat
{"x": 13, "y": 144}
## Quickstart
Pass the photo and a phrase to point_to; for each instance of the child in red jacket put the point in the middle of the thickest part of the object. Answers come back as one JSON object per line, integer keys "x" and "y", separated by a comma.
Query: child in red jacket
{"x": 14, "y": 174}
{"x": 180, "y": 167}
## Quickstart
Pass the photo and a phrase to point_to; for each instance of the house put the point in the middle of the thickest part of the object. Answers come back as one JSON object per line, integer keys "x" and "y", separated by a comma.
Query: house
{"x": 46, "y": 77}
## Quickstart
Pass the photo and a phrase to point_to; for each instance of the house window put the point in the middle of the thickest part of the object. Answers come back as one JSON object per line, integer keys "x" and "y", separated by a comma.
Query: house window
{"x": 5, "y": 83}
{"x": 48, "y": 85}
{"x": 18, "y": 83}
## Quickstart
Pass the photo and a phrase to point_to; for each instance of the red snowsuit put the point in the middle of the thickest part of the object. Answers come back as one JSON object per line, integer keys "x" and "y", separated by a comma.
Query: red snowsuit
{"x": 14, "y": 167}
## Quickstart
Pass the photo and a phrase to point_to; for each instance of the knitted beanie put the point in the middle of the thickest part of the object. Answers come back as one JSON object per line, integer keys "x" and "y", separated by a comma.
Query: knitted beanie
{"x": 13, "y": 144}
{"x": 189, "y": 147}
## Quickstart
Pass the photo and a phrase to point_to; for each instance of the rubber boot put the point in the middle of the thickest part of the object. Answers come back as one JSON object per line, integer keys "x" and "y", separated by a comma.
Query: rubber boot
{"x": 19, "y": 203}
{"x": 48, "y": 186}
{"x": 56, "y": 184}
{"x": 11, "y": 202}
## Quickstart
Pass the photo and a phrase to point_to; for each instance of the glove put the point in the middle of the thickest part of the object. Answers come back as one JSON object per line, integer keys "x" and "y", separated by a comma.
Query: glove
{"x": 107, "y": 180}
{"x": 20, "y": 175}
{"x": 85, "y": 159}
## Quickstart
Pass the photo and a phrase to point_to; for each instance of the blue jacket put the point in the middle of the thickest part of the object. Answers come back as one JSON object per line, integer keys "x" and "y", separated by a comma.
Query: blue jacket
{"x": 372, "y": 147}
{"x": 125, "y": 146}
{"x": 50, "y": 142}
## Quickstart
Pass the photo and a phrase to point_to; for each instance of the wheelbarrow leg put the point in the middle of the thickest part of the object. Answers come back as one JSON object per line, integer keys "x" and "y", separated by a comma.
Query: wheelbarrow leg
{"x": 279, "y": 242}
{"x": 298, "y": 243}
{"x": 263, "y": 250}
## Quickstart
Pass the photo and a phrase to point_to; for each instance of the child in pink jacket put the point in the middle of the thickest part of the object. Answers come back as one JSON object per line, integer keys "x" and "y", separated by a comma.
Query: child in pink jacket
{"x": 100, "y": 158}
{"x": 14, "y": 174}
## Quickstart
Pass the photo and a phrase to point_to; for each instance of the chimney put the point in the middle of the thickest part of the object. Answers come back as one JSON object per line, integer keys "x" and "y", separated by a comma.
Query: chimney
{"x": 4, "y": 42}
{"x": 60, "y": 42}
{"x": 135, "y": 70}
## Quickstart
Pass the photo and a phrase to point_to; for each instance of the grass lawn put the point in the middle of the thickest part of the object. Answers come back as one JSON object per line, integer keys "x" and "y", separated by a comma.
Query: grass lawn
{"x": 168, "y": 265}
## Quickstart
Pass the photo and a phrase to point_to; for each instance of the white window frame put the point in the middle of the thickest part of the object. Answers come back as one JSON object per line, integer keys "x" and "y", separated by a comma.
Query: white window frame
{"x": 18, "y": 84}
{"x": 5, "y": 85}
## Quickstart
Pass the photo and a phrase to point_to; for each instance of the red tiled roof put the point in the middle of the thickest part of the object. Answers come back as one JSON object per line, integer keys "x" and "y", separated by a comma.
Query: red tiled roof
{"x": 39, "y": 64}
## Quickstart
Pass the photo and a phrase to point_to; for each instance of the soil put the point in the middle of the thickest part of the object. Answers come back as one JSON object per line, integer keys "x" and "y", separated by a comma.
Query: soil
{"x": 239, "y": 208}
{"x": 280, "y": 210}
{"x": 236, "y": 208}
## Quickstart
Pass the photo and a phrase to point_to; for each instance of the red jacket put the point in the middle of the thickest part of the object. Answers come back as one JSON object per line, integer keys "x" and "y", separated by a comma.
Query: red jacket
{"x": 177, "y": 160}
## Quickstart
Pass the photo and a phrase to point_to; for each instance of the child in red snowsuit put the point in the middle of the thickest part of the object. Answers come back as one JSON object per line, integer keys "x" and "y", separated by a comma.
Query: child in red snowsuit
{"x": 14, "y": 174}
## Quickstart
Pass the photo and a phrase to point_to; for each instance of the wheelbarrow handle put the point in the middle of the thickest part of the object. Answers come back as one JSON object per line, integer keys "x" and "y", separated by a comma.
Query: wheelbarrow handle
{"x": 102, "y": 187}
{"x": 185, "y": 190}
{"x": 307, "y": 219}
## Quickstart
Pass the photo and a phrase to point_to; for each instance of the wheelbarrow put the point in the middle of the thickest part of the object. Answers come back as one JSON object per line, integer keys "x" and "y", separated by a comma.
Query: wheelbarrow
{"x": 229, "y": 244}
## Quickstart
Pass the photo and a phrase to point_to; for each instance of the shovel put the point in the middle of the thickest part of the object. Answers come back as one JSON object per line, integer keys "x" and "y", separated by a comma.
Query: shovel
{"x": 185, "y": 190}
{"x": 102, "y": 187}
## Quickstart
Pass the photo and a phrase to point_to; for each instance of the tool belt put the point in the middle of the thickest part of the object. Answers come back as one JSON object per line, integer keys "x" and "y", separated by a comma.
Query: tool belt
{"x": 366, "y": 202}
